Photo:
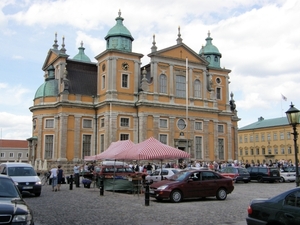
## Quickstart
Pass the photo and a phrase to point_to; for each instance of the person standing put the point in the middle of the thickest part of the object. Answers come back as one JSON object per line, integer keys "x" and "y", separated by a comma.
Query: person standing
{"x": 53, "y": 176}
{"x": 76, "y": 174}
{"x": 60, "y": 176}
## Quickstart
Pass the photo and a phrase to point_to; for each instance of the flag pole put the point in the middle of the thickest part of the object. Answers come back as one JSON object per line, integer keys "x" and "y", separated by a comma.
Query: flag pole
{"x": 187, "y": 108}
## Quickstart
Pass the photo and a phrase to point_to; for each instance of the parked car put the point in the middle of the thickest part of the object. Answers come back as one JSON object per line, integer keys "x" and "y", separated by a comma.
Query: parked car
{"x": 192, "y": 184}
{"x": 287, "y": 174}
{"x": 13, "y": 209}
{"x": 283, "y": 209}
{"x": 24, "y": 175}
{"x": 262, "y": 174}
{"x": 158, "y": 173}
{"x": 236, "y": 173}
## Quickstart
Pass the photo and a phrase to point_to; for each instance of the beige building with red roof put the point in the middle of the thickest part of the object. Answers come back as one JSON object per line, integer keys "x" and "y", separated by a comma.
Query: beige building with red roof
{"x": 13, "y": 150}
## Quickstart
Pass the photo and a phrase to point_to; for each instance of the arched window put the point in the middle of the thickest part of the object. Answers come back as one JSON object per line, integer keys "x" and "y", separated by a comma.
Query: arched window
{"x": 197, "y": 89}
{"x": 163, "y": 83}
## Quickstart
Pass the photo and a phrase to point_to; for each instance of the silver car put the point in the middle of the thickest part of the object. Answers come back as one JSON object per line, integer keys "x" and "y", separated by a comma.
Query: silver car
{"x": 159, "y": 173}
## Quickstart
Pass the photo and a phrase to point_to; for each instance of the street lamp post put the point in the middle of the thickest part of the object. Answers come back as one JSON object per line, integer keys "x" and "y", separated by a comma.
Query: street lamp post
{"x": 293, "y": 116}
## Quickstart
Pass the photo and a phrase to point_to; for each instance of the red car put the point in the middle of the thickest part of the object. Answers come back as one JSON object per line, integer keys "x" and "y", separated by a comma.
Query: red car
{"x": 192, "y": 184}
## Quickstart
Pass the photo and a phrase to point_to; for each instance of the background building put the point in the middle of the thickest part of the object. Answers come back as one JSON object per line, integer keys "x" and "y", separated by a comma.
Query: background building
{"x": 180, "y": 98}
{"x": 266, "y": 140}
{"x": 13, "y": 150}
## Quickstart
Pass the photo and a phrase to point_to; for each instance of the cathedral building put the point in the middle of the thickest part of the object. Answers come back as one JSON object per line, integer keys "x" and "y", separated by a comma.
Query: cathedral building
{"x": 180, "y": 97}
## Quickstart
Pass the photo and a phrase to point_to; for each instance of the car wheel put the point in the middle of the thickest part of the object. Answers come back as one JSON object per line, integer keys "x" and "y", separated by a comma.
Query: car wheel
{"x": 176, "y": 196}
{"x": 281, "y": 180}
{"x": 221, "y": 194}
{"x": 260, "y": 179}
{"x": 37, "y": 194}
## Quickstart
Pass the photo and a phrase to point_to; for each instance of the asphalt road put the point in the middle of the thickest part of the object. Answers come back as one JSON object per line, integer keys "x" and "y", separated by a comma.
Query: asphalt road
{"x": 85, "y": 206}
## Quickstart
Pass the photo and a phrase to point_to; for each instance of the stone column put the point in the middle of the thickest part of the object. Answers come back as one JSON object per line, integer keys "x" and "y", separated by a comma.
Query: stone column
{"x": 62, "y": 123}
{"x": 77, "y": 139}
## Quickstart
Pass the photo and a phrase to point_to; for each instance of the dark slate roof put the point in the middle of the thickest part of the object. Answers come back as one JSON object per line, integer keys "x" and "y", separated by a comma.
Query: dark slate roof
{"x": 262, "y": 123}
{"x": 82, "y": 78}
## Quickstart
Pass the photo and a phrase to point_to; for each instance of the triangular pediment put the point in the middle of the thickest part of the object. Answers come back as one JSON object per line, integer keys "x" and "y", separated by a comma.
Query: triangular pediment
{"x": 179, "y": 52}
{"x": 52, "y": 56}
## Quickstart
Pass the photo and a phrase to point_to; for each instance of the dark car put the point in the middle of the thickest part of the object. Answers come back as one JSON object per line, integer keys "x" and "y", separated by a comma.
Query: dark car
{"x": 13, "y": 209}
{"x": 192, "y": 184}
{"x": 284, "y": 209}
{"x": 262, "y": 174}
{"x": 236, "y": 173}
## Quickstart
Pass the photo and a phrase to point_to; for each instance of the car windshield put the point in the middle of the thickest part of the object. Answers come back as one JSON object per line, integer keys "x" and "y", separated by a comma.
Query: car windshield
{"x": 180, "y": 175}
{"x": 242, "y": 170}
{"x": 21, "y": 171}
{"x": 8, "y": 189}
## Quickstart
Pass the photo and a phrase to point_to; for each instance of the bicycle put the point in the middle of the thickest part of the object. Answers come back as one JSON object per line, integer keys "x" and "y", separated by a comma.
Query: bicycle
{"x": 45, "y": 178}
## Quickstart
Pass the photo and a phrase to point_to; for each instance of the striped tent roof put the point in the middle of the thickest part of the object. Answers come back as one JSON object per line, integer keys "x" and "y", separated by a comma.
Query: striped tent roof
{"x": 151, "y": 149}
{"x": 114, "y": 149}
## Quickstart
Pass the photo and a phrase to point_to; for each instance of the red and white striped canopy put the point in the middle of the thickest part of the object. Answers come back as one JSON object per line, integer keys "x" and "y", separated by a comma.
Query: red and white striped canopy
{"x": 151, "y": 149}
{"x": 114, "y": 149}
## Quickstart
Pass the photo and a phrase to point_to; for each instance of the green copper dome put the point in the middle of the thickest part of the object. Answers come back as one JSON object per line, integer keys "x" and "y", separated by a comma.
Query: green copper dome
{"x": 119, "y": 37}
{"x": 81, "y": 56}
{"x": 50, "y": 87}
{"x": 211, "y": 53}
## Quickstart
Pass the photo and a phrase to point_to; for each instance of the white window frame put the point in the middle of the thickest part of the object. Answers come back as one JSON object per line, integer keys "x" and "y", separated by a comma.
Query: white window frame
{"x": 200, "y": 125}
{"x": 163, "y": 84}
{"x": 163, "y": 123}
{"x": 102, "y": 122}
{"x": 220, "y": 128}
{"x": 125, "y": 83}
{"x": 125, "y": 123}
{"x": 124, "y": 137}
{"x": 2, "y": 154}
{"x": 48, "y": 123}
{"x": 197, "y": 88}
{"x": 87, "y": 123}
{"x": 163, "y": 138}
{"x": 49, "y": 147}
{"x": 198, "y": 147}
{"x": 11, "y": 155}
{"x": 218, "y": 93}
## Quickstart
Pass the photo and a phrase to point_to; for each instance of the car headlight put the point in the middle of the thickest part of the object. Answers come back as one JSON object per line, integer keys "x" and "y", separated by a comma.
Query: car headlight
{"x": 23, "y": 218}
{"x": 39, "y": 183}
{"x": 16, "y": 183}
{"x": 162, "y": 187}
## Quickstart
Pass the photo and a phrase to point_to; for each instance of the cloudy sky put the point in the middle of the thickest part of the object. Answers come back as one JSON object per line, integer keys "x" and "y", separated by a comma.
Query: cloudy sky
{"x": 259, "y": 41}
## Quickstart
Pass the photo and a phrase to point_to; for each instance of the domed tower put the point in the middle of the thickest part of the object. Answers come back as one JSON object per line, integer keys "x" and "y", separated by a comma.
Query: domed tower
{"x": 81, "y": 56}
{"x": 119, "y": 37}
{"x": 49, "y": 87}
{"x": 211, "y": 53}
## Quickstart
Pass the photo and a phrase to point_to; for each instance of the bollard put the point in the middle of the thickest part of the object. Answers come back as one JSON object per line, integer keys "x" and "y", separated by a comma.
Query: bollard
{"x": 147, "y": 194}
{"x": 71, "y": 182}
{"x": 101, "y": 186}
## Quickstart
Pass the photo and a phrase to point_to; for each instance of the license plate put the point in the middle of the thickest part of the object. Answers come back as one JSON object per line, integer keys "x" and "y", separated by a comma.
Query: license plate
{"x": 27, "y": 187}
{"x": 245, "y": 178}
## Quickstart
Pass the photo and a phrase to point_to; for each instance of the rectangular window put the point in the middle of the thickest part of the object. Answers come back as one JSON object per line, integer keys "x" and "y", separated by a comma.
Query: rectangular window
{"x": 218, "y": 93}
{"x": 288, "y": 135}
{"x": 241, "y": 151}
{"x": 101, "y": 142}
{"x": 269, "y": 137}
{"x": 275, "y": 136}
{"x": 163, "y": 138}
{"x": 246, "y": 139}
{"x": 198, "y": 147}
{"x": 198, "y": 125}
{"x": 241, "y": 139}
{"x": 124, "y": 80}
{"x": 20, "y": 155}
{"x": 124, "y": 122}
{"x": 11, "y": 155}
{"x": 263, "y": 151}
{"x": 269, "y": 151}
{"x": 282, "y": 150}
{"x": 2, "y": 155}
{"x": 180, "y": 86}
{"x": 102, "y": 122}
{"x": 257, "y": 151}
{"x": 221, "y": 128}
{"x": 276, "y": 151}
{"x": 49, "y": 146}
{"x": 252, "y": 151}
{"x": 262, "y": 137}
{"x": 163, "y": 123}
{"x": 49, "y": 123}
{"x": 246, "y": 152}
{"x": 281, "y": 135}
{"x": 251, "y": 138}
{"x": 124, "y": 137}
{"x": 289, "y": 150}
{"x": 86, "y": 145}
{"x": 221, "y": 148}
{"x": 256, "y": 137}
{"x": 103, "y": 82}
{"x": 87, "y": 123}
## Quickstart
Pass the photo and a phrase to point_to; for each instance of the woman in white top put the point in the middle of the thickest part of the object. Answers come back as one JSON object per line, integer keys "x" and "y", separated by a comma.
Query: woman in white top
{"x": 54, "y": 178}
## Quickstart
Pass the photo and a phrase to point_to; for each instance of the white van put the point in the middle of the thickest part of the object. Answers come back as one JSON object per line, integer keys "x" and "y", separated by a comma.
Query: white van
{"x": 24, "y": 175}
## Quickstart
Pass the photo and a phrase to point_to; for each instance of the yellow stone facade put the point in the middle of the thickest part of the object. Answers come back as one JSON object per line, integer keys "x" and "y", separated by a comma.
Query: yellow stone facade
{"x": 135, "y": 102}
